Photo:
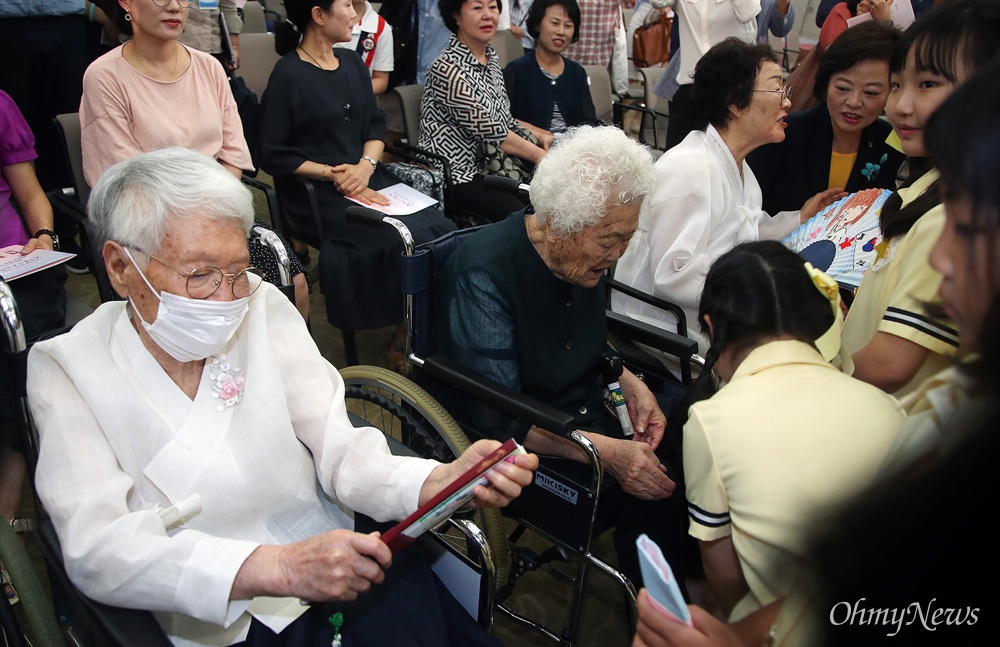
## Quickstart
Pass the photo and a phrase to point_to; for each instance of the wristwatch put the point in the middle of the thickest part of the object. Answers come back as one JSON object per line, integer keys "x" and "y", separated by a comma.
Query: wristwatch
{"x": 51, "y": 234}
{"x": 371, "y": 161}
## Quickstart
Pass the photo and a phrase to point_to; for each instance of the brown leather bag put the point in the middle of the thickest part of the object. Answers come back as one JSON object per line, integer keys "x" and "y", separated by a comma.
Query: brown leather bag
{"x": 651, "y": 40}
{"x": 803, "y": 78}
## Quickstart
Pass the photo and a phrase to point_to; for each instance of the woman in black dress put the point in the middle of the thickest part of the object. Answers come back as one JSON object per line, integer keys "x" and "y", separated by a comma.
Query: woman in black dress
{"x": 320, "y": 121}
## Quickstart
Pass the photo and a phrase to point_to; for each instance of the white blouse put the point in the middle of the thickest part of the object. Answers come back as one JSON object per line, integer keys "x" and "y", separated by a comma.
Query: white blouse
{"x": 158, "y": 499}
{"x": 701, "y": 208}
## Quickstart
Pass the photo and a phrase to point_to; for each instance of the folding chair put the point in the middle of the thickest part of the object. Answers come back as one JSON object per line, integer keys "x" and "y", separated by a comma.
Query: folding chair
{"x": 507, "y": 46}
{"x": 257, "y": 59}
{"x": 253, "y": 20}
{"x": 600, "y": 92}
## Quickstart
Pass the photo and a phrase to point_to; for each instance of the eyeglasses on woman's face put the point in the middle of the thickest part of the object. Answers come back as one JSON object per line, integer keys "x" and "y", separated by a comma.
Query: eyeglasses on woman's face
{"x": 183, "y": 4}
{"x": 785, "y": 92}
{"x": 203, "y": 282}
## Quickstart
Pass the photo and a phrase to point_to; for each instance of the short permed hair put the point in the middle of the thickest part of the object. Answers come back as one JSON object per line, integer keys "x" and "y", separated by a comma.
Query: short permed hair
{"x": 449, "y": 8}
{"x": 586, "y": 173}
{"x": 725, "y": 76}
{"x": 537, "y": 14}
{"x": 869, "y": 41}
{"x": 136, "y": 199}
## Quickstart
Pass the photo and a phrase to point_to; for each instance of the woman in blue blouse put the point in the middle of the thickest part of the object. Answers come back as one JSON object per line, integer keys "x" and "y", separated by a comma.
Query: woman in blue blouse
{"x": 546, "y": 89}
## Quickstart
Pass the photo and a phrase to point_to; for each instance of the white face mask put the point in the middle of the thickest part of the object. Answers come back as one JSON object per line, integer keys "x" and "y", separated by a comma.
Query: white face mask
{"x": 191, "y": 329}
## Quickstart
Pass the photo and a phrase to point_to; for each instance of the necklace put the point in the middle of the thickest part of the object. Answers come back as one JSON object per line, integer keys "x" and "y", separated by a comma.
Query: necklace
{"x": 173, "y": 71}
{"x": 347, "y": 105}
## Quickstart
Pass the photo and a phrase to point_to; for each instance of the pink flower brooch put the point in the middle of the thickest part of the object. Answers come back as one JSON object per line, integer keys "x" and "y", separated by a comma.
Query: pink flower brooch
{"x": 227, "y": 382}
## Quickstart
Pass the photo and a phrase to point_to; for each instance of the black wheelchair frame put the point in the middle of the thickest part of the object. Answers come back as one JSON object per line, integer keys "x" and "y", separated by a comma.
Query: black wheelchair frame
{"x": 571, "y": 534}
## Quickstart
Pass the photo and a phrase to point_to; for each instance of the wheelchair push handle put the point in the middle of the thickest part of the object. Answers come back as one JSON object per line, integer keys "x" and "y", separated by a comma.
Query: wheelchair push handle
{"x": 370, "y": 217}
{"x": 505, "y": 184}
{"x": 364, "y": 216}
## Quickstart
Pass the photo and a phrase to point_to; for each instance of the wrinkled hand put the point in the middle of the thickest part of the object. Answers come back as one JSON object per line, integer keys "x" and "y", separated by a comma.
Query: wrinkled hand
{"x": 336, "y": 565}
{"x": 638, "y": 470}
{"x": 821, "y": 201}
{"x": 506, "y": 480}
{"x": 352, "y": 178}
{"x": 517, "y": 32}
{"x": 657, "y": 630}
{"x": 370, "y": 196}
{"x": 648, "y": 420}
{"x": 45, "y": 242}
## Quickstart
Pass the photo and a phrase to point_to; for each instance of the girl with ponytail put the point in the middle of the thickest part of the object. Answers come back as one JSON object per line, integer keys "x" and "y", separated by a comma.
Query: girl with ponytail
{"x": 787, "y": 436}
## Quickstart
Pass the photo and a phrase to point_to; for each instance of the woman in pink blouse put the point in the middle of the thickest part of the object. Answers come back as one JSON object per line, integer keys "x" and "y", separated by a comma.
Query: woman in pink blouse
{"x": 152, "y": 93}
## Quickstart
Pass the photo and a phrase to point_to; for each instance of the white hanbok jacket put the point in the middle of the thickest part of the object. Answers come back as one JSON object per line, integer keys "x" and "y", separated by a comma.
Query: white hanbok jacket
{"x": 700, "y": 209}
{"x": 158, "y": 499}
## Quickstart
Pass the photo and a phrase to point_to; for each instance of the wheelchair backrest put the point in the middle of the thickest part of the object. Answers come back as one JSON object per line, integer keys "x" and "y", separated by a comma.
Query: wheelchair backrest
{"x": 419, "y": 271}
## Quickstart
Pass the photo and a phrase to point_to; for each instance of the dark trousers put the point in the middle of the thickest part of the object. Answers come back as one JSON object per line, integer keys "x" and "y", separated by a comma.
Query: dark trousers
{"x": 681, "y": 120}
{"x": 44, "y": 61}
{"x": 411, "y": 607}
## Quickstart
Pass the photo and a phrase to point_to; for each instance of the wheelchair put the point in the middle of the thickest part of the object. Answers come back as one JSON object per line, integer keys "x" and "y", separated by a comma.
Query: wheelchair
{"x": 469, "y": 573}
{"x": 562, "y": 510}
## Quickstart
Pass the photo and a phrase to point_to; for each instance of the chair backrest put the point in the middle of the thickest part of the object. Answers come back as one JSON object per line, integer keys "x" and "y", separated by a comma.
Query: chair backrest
{"x": 600, "y": 91}
{"x": 253, "y": 18}
{"x": 508, "y": 46}
{"x": 409, "y": 101}
{"x": 68, "y": 126}
{"x": 257, "y": 59}
{"x": 419, "y": 271}
{"x": 275, "y": 10}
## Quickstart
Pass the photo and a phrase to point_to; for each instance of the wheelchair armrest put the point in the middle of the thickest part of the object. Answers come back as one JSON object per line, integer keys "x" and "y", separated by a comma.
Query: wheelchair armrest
{"x": 272, "y": 201}
{"x": 498, "y": 396}
{"x": 658, "y": 338}
{"x": 310, "y": 189}
{"x": 122, "y": 627}
{"x": 686, "y": 350}
{"x": 68, "y": 205}
{"x": 656, "y": 302}
{"x": 422, "y": 154}
{"x": 407, "y": 151}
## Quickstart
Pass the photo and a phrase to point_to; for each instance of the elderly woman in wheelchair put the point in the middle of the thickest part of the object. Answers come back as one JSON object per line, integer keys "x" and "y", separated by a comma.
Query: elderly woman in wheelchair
{"x": 196, "y": 455}
{"x": 523, "y": 302}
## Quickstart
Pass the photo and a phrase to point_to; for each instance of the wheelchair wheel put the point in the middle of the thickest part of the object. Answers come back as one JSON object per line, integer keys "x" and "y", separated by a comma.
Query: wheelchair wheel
{"x": 407, "y": 413}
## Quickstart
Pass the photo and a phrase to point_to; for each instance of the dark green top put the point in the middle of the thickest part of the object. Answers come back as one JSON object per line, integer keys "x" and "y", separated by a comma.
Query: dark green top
{"x": 502, "y": 313}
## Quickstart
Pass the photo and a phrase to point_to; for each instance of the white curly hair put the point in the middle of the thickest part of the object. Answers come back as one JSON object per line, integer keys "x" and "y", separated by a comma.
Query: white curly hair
{"x": 589, "y": 171}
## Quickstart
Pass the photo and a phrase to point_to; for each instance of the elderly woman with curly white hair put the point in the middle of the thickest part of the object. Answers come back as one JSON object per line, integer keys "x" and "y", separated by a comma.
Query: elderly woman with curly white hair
{"x": 523, "y": 303}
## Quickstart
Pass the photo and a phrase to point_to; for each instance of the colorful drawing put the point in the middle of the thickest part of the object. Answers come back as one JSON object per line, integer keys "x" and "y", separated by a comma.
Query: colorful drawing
{"x": 845, "y": 238}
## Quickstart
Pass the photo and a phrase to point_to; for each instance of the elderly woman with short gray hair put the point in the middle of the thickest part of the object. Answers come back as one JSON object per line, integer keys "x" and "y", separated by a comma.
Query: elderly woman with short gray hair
{"x": 523, "y": 303}
{"x": 196, "y": 454}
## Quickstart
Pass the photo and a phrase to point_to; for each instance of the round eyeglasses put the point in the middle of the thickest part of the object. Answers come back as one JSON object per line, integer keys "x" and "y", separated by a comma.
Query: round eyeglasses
{"x": 785, "y": 92}
{"x": 203, "y": 282}
{"x": 183, "y": 4}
